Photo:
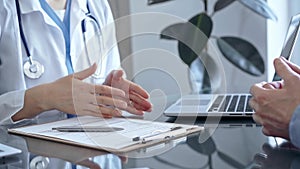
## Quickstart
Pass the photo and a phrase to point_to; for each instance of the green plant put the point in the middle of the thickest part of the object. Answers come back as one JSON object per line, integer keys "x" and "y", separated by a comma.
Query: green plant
{"x": 236, "y": 50}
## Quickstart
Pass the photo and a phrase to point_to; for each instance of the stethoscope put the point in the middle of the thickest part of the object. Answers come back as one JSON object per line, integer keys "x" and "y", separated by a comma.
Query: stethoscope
{"x": 98, "y": 34}
{"x": 34, "y": 69}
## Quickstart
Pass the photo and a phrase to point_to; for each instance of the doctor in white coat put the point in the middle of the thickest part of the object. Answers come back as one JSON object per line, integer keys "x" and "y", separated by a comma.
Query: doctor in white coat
{"x": 53, "y": 36}
{"x": 49, "y": 33}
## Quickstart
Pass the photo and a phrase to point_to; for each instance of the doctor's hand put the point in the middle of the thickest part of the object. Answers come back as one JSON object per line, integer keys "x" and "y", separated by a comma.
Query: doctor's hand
{"x": 88, "y": 99}
{"x": 73, "y": 96}
{"x": 136, "y": 96}
{"x": 274, "y": 103}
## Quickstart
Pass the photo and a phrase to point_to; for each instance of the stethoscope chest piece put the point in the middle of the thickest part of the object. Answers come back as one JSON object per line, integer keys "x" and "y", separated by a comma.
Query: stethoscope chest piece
{"x": 33, "y": 69}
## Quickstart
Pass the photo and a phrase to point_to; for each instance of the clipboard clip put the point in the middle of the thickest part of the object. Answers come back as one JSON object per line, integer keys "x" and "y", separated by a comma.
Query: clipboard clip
{"x": 163, "y": 135}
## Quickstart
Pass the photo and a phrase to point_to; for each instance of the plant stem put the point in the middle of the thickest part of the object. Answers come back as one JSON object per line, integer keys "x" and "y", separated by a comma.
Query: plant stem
{"x": 205, "y": 6}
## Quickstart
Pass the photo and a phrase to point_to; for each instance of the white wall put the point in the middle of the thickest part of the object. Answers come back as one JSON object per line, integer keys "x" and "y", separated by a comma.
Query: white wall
{"x": 276, "y": 33}
{"x": 155, "y": 55}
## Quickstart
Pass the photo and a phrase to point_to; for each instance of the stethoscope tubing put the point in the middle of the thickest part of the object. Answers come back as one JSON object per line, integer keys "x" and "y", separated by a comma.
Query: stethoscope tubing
{"x": 22, "y": 31}
{"x": 96, "y": 75}
{"x": 32, "y": 68}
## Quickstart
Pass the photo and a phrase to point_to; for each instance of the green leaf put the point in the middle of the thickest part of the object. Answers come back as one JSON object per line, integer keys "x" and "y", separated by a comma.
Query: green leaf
{"x": 242, "y": 54}
{"x": 174, "y": 31}
{"x": 220, "y": 4}
{"x": 193, "y": 36}
{"x": 260, "y": 7}
{"x": 151, "y": 2}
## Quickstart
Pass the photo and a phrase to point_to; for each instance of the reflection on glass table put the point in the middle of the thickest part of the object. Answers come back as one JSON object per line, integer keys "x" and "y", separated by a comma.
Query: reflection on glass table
{"x": 7, "y": 156}
{"x": 6, "y": 151}
{"x": 229, "y": 147}
{"x": 49, "y": 154}
{"x": 87, "y": 156}
{"x": 10, "y": 162}
{"x": 38, "y": 154}
{"x": 284, "y": 156}
{"x": 74, "y": 154}
{"x": 208, "y": 148}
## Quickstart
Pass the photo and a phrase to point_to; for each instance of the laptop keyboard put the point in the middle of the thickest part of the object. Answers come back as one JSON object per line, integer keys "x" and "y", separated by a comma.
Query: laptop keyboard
{"x": 231, "y": 103}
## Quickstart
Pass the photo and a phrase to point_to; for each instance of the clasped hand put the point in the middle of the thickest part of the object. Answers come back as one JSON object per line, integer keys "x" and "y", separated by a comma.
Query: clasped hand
{"x": 274, "y": 103}
{"x": 72, "y": 95}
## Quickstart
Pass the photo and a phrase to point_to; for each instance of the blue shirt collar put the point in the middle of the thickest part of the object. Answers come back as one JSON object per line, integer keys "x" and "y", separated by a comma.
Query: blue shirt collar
{"x": 28, "y": 6}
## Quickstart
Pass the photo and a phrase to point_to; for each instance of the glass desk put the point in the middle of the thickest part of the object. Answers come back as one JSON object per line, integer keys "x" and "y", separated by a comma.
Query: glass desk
{"x": 232, "y": 145}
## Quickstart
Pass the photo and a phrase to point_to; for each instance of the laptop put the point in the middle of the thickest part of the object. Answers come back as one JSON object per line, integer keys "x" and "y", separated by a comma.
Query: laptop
{"x": 229, "y": 104}
{"x": 6, "y": 150}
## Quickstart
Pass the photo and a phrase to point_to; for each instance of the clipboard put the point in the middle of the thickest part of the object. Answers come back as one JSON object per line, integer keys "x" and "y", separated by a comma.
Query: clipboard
{"x": 136, "y": 133}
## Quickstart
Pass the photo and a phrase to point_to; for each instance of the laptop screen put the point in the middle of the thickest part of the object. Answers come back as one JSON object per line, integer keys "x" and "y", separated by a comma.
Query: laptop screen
{"x": 290, "y": 40}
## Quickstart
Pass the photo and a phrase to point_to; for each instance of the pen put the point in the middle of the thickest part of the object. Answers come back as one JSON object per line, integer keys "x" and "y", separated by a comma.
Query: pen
{"x": 151, "y": 136}
{"x": 86, "y": 129}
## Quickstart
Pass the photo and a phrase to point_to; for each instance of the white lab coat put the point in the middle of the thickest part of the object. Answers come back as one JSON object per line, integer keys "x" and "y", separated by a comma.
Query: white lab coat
{"x": 46, "y": 44}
